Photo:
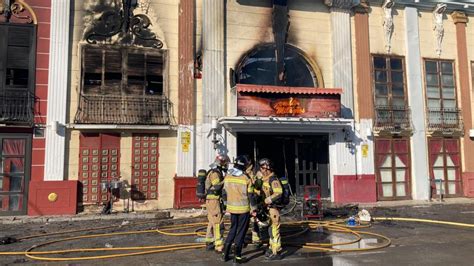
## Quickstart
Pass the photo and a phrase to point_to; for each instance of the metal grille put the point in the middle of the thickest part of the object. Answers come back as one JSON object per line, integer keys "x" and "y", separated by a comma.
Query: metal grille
{"x": 17, "y": 107}
{"x": 444, "y": 120}
{"x": 129, "y": 110}
{"x": 392, "y": 118}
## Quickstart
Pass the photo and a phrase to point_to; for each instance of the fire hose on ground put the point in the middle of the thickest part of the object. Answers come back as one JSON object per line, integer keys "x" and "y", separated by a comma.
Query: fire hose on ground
{"x": 337, "y": 226}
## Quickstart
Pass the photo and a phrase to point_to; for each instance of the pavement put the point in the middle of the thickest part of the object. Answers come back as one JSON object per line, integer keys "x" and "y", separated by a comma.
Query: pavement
{"x": 412, "y": 243}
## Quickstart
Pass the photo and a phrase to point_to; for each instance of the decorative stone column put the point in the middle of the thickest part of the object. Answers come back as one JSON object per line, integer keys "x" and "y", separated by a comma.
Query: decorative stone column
{"x": 342, "y": 52}
{"x": 460, "y": 19}
{"x": 57, "y": 91}
{"x": 213, "y": 81}
{"x": 186, "y": 113}
{"x": 419, "y": 147}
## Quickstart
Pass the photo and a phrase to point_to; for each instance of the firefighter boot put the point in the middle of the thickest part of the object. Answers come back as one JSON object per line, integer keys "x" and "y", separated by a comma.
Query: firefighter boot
{"x": 238, "y": 256}
{"x": 210, "y": 246}
{"x": 226, "y": 252}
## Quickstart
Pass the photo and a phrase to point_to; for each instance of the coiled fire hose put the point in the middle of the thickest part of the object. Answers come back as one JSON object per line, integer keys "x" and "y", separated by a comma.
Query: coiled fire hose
{"x": 330, "y": 226}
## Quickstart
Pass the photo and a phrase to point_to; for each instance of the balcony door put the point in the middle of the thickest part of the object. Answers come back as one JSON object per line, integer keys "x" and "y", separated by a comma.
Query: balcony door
{"x": 14, "y": 173}
{"x": 445, "y": 167}
{"x": 17, "y": 73}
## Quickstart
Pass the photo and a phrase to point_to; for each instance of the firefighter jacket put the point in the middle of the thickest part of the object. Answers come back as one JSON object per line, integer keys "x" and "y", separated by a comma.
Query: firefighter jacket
{"x": 271, "y": 188}
{"x": 214, "y": 184}
{"x": 238, "y": 192}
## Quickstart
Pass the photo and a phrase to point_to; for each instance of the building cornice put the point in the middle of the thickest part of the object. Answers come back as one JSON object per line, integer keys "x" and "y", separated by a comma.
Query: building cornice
{"x": 341, "y": 4}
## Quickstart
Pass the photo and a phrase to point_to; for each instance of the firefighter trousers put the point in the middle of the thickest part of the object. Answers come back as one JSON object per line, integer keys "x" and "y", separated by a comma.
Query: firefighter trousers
{"x": 274, "y": 230}
{"x": 239, "y": 224}
{"x": 215, "y": 225}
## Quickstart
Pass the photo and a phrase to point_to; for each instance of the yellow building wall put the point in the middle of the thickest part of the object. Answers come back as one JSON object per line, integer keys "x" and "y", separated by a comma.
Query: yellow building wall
{"x": 164, "y": 17}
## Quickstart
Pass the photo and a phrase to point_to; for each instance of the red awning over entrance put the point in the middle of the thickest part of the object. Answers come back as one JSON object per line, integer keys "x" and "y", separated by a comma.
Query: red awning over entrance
{"x": 287, "y": 90}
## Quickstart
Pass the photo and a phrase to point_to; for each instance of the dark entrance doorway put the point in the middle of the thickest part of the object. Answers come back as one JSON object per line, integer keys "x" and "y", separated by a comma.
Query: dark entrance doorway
{"x": 304, "y": 159}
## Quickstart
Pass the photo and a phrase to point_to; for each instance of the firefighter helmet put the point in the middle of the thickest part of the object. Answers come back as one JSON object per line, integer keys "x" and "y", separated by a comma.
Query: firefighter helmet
{"x": 222, "y": 160}
{"x": 265, "y": 162}
{"x": 242, "y": 162}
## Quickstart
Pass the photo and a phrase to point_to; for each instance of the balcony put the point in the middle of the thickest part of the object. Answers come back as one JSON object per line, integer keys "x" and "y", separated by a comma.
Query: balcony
{"x": 17, "y": 108}
{"x": 123, "y": 110}
{"x": 444, "y": 121}
{"x": 392, "y": 120}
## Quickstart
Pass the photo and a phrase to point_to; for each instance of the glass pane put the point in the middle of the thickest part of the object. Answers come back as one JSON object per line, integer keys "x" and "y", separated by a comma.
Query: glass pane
{"x": 452, "y": 188}
{"x": 451, "y": 174}
{"x": 400, "y": 102}
{"x": 16, "y": 183}
{"x": 381, "y": 101}
{"x": 449, "y": 104}
{"x": 397, "y": 89}
{"x": 438, "y": 173}
{"x": 398, "y": 162}
{"x": 434, "y": 104}
{"x": 387, "y": 162}
{"x": 439, "y": 161}
{"x": 447, "y": 80}
{"x": 396, "y": 63}
{"x": 386, "y": 175}
{"x": 381, "y": 76}
{"x": 387, "y": 190}
{"x": 380, "y": 89}
{"x": 1, "y": 183}
{"x": 448, "y": 93}
{"x": 433, "y": 92}
{"x": 13, "y": 147}
{"x": 379, "y": 62}
{"x": 14, "y": 165}
{"x": 11, "y": 202}
{"x": 400, "y": 174}
{"x": 432, "y": 80}
{"x": 447, "y": 67}
{"x": 401, "y": 190}
{"x": 397, "y": 76}
{"x": 431, "y": 66}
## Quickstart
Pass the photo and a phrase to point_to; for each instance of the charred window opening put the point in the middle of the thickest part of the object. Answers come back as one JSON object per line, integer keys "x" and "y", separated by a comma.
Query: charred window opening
{"x": 259, "y": 67}
{"x": 120, "y": 70}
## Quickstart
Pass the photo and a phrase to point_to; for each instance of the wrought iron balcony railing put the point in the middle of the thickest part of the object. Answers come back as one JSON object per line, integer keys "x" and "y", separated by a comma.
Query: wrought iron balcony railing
{"x": 392, "y": 119}
{"x": 126, "y": 110}
{"x": 444, "y": 120}
{"x": 17, "y": 108}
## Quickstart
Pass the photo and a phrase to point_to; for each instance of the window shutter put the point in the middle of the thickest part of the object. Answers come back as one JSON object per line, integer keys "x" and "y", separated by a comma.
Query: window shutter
{"x": 92, "y": 70}
{"x": 135, "y": 74}
{"x": 154, "y": 75}
{"x": 113, "y": 72}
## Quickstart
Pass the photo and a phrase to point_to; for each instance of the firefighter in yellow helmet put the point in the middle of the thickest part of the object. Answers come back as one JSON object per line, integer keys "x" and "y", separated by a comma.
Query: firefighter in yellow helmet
{"x": 272, "y": 191}
{"x": 214, "y": 184}
{"x": 238, "y": 194}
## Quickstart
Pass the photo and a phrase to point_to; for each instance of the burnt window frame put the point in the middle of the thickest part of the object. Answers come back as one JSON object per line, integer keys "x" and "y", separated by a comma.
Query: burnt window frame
{"x": 123, "y": 84}
{"x": 312, "y": 66}
{"x": 6, "y": 29}
{"x": 389, "y": 83}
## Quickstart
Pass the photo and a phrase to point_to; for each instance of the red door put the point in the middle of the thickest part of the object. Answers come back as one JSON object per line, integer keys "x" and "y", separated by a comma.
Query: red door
{"x": 99, "y": 161}
{"x": 445, "y": 167}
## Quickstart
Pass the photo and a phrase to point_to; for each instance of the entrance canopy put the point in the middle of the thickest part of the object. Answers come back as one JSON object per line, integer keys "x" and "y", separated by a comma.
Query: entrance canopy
{"x": 283, "y": 124}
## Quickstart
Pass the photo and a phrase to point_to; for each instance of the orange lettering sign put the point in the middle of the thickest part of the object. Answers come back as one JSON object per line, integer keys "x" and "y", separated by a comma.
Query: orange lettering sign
{"x": 289, "y": 106}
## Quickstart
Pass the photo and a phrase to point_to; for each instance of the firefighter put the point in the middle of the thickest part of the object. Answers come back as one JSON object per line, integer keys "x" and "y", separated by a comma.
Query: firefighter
{"x": 214, "y": 183}
{"x": 271, "y": 191}
{"x": 254, "y": 220}
{"x": 238, "y": 195}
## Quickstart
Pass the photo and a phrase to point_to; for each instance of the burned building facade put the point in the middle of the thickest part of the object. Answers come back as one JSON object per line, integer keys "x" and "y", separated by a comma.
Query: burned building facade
{"x": 370, "y": 100}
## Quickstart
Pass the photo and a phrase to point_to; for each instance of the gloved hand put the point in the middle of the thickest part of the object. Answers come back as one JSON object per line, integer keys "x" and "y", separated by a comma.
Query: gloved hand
{"x": 268, "y": 201}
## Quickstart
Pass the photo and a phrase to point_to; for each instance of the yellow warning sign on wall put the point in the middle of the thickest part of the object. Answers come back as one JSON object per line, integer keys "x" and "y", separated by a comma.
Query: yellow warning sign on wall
{"x": 185, "y": 141}
{"x": 365, "y": 150}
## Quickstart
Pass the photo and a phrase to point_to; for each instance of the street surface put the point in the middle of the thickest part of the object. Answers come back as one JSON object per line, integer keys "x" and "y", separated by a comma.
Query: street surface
{"x": 412, "y": 243}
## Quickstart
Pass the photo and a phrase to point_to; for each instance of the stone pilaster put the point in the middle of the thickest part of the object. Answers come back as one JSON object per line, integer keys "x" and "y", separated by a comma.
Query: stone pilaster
{"x": 57, "y": 91}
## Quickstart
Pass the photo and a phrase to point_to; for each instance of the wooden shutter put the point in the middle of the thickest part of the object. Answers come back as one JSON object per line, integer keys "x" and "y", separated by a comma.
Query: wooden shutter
{"x": 92, "y": 62}
{"x": 135, "y": 73}
{"x": 112, "y": 72}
